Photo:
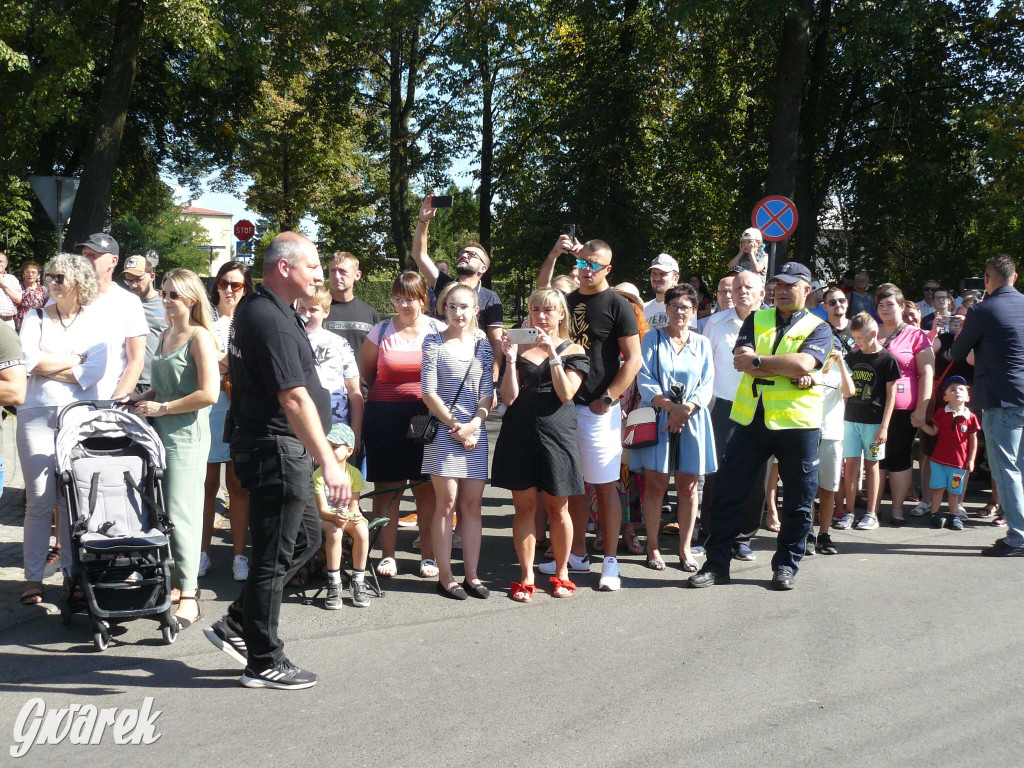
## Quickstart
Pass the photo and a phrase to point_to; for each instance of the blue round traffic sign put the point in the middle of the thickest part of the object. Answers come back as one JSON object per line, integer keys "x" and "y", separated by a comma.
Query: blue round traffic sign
{"x": 776, "y": 217}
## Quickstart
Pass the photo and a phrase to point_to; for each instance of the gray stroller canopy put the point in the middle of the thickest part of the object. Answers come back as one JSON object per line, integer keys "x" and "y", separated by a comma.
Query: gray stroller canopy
{"x": 111, "y": 422}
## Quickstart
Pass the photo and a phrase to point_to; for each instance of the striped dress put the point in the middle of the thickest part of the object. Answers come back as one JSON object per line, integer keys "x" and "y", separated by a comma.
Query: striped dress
{"x": 444, "y": 365}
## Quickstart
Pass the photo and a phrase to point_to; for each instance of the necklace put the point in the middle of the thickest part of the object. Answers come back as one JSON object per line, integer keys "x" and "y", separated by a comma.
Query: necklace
{"x": 60, "y": 317}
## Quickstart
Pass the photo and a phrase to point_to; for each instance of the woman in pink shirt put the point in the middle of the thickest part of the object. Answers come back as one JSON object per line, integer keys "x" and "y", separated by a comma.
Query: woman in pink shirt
{"x": 392, "y": 356}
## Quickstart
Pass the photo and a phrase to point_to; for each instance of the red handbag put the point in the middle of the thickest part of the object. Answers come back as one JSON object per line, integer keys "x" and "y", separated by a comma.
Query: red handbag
{"x": 641, "y": 428}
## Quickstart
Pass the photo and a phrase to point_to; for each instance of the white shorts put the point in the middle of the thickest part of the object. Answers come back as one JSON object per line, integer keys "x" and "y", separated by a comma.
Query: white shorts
{"x": 830, "y": 470}
{"x": 599, "y": 439}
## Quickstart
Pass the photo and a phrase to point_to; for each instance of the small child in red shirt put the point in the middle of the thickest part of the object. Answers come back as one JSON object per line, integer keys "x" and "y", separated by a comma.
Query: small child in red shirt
{"x": 957, "y": 445}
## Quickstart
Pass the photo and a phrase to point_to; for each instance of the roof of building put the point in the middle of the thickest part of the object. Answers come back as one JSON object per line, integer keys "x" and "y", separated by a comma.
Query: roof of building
{"x": 189, "y": 209}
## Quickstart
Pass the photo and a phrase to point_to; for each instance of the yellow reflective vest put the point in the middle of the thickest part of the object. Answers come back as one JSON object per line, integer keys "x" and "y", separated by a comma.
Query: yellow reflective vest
{"x": 786, "y": 406}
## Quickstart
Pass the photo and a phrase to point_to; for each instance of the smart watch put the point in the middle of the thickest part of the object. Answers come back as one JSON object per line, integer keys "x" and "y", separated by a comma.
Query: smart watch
{"x": 607, "y": 399}
{"x": 756, "y": 361}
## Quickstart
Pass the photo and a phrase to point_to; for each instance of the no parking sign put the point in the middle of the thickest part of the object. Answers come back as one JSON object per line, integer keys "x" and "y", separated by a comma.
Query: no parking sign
{"x": 776, "y": 217}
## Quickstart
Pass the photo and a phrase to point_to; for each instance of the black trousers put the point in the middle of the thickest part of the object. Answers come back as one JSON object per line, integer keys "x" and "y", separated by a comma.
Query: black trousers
{"x": 753, "y": 508}
{"x": 277, "y": 472}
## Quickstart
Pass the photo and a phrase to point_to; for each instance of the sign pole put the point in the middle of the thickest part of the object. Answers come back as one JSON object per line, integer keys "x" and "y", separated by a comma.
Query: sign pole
{"x": 60, "y": 220}
{"x": 771, "y": 259}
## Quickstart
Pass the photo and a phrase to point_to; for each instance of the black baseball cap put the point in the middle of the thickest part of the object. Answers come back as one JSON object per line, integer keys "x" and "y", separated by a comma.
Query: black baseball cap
{"x": 792, "y": 272}
{"x": 101, "y": 242}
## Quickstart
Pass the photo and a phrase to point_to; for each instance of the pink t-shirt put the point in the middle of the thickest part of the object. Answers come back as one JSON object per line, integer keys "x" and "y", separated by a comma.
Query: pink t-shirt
{"x": 905, "y": 348}
{"x": 398, "y": 362}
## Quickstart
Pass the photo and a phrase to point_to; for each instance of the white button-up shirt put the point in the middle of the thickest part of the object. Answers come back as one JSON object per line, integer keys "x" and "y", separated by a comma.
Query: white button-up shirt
{"x": 721, "y": 330}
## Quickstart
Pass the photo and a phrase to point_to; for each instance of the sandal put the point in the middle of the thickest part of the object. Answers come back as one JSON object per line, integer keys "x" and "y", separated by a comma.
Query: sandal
{"x": 999, "y": 521}
{"x": 671, "y": 529}
{"x": 184, "y": 623}
{"x": 655, "y": 563}
{"x": 561, "y": 587}
{"x": 522, "y": 593}
{"x": 989, "y": 509}
{"x": 688, "y": 566}
{"x": 53, "y": 555}
{"x": 428, "y": 569}
{"x": 387, "y": 568}
{"x": 632, "y": 542}
{"x": 33, "y": 595}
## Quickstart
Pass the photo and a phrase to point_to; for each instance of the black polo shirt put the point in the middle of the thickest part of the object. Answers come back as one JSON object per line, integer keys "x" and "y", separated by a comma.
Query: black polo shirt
{"x": 270, "y": 352}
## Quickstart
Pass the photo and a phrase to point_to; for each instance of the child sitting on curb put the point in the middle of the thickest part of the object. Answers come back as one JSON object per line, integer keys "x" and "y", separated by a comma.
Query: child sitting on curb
{"x": 338, "y": 522}
{"x": 956, "y": 430}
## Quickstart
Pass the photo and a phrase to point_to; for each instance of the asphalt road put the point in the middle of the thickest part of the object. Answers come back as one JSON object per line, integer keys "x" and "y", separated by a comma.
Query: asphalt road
{"x": 897, "y": 651}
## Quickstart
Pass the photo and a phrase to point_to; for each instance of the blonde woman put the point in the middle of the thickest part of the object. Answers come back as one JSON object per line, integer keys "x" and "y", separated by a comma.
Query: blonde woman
{"x": 185, "y": 383}
{"x": 64, "y": 363}
{"x": 458, "y": 388}
{"x": 536, "y": 449}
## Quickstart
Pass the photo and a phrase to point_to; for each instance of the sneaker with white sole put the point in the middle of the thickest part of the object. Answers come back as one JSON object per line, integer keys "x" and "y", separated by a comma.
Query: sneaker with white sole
{"x": 240, "y": 568}
{"x": 610, "y": 580}
{"x": 961, "y": 513}
{"x": 360, "y": 594}
{"x": 220, "y": 634}
{"x": 576, "y": 565}
{"x": 204, "y": 564}
{"x": 333, "y": 601}
{"x": 867, "y": 523}
{"x": 844, "y": 522}
{"x": 922, "y": 509}
{"x": 284, "y": 676}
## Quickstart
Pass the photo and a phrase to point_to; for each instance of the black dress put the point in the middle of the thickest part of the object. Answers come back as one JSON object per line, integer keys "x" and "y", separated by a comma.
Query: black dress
{"x": 536, "y": 447}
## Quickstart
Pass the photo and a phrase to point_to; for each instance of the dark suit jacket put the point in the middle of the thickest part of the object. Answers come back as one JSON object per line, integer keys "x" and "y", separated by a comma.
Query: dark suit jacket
{"x": 994, "y": 329}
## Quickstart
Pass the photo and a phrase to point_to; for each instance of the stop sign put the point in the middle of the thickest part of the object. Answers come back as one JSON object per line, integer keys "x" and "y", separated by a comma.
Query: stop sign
{"x": 245, "y": 229}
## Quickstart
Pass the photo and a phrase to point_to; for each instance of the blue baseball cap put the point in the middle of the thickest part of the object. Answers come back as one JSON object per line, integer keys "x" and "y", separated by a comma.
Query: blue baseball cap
{"x": 793, "y": 272}
{"x": 951, "y": 380}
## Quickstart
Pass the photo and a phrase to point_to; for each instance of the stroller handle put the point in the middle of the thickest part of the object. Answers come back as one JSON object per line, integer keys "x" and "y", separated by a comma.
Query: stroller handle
{"x": 99, "y": 405}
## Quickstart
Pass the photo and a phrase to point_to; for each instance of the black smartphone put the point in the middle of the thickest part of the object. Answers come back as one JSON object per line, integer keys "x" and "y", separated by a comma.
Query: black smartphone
{"x": 441, "y": 201}
{"x": 975, "y": 284}
{"x": 569, "y": 230}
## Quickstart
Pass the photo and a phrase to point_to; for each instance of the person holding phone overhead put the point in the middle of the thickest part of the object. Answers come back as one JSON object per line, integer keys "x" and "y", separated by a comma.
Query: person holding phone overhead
{"x": 471, "y": 264}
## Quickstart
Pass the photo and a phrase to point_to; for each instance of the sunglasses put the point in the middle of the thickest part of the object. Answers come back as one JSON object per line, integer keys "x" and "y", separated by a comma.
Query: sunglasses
{"x": 593, "y": 266}
{"x": 225, "y": 284}
{"x": 172, "y": 295}
{"x": 930, "y": 290}
{"x": 56, "y": 279}
{"x": 835, "y": 302}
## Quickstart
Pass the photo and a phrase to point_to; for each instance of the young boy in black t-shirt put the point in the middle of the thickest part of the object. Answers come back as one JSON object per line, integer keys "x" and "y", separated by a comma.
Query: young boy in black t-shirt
{"x": 874, "y": 371}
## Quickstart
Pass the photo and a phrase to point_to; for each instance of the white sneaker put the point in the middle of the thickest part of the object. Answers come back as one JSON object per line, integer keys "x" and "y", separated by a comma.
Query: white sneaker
{"x": 610, "y": 580}
{"x": 240, "y": 568}
{"x": 922, "y": 509}
{"x": 576, "y": 565}
{"x": 961, "y": 512}
{"x": 204, "y": 563}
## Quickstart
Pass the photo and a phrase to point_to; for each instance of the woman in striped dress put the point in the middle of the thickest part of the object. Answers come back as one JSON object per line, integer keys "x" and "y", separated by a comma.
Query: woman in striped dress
{"x": 457, "y": 459}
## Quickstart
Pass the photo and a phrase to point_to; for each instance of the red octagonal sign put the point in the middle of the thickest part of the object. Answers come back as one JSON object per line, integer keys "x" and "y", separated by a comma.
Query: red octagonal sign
{"x": 245, "y": 229}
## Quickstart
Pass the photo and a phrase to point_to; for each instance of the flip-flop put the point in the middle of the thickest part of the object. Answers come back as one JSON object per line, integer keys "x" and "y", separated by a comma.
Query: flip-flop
{"x": 521, "y": 593}
{"x": 32, "y": 596}
{"x": 688, "y": 566}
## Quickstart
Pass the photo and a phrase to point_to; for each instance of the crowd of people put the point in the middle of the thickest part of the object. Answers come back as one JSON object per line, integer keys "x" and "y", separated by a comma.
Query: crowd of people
{"x": 301, "y": 394}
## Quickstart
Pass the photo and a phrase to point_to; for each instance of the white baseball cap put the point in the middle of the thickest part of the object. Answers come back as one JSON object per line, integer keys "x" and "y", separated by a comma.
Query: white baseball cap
{"x": 752, "y": 233}
{"x": 665, "y": 263}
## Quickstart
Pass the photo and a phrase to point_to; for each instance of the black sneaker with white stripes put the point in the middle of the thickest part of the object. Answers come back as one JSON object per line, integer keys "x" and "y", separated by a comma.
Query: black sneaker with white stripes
{"x": 283, "y": 675}
{"x": 233, "y": 645}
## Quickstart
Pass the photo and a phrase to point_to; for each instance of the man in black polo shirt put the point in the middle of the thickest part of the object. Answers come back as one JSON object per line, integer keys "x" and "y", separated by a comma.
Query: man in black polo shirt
{"x": 278, "y": 417}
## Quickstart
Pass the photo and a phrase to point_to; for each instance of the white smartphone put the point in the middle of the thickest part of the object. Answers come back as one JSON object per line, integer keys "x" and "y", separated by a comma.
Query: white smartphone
{"x": 521, "y": 335}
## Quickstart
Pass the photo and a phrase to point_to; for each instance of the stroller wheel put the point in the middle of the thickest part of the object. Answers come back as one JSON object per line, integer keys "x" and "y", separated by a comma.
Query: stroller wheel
{"x": 100, "y": 635}
{"x": 169, "y": 632}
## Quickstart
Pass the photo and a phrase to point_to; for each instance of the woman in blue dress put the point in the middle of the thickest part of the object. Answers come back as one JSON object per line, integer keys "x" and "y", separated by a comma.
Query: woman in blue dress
{"x": 676, "y": 378}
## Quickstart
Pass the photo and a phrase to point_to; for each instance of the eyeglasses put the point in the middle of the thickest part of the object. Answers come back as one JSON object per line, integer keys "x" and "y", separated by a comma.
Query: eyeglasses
{"x": 680, "y": 307}
{"x": 403, "y": 301}
{"x": 836, "y": 302}
{"x": 56, "y": 279}
{"x": 593, "y": 266}
{"x": 172, "y": 295}
{"x": 225, "y": 284}
{"x": 930, "y": 289}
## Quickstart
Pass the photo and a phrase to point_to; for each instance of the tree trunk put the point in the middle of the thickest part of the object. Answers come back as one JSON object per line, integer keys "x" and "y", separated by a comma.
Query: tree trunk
{"x": 486, "y": 152}
{"x": 789, "y": 87}
{"x": 92, "y": 203}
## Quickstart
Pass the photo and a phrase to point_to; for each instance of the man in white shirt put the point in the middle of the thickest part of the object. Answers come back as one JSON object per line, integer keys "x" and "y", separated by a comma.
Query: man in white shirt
{"x": 722, "y": 330}
{"x": 122, "y": 315}
{"x": 664, "y": 275}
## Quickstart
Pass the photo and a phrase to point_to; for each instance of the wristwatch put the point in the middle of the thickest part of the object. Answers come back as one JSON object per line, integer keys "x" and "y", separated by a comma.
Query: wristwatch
{"x": 757, "y": 361}
{"x": 607, "y": 399}
{"x": 556, "y": 360}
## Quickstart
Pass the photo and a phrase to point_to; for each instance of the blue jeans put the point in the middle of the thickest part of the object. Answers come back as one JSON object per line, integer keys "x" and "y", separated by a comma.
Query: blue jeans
{"x": 749, "y": 448}
{"x": 1004, "y": 441}
{"x": 285, "y": 527}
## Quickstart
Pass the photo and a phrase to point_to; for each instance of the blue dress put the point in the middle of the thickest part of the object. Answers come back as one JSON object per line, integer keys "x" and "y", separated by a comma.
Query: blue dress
{"x": 693, "y": 370}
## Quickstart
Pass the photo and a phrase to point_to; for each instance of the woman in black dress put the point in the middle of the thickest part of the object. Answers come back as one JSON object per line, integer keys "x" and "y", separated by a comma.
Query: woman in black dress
{"x": 536, "y": 449}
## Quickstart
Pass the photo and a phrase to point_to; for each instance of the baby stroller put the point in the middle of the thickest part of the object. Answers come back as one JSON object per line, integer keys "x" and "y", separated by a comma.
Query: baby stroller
{"x": 110, "y": 465}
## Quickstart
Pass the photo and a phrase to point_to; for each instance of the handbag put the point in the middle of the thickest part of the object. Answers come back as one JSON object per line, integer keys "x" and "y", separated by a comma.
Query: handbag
{"x": 423, "y": 426}
{"x": 641, "y": 429}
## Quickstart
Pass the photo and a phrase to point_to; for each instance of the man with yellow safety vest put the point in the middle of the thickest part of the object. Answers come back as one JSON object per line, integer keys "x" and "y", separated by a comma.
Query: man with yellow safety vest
{"x": 775, "y": 347}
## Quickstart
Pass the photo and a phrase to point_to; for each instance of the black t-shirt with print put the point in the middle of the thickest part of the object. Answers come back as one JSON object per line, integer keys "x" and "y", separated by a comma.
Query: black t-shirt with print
{"x": 871, "y": 373}
{"x": 597, "y": 322}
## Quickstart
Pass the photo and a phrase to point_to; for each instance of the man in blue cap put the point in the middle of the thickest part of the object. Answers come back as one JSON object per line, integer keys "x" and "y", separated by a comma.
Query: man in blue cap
{"x": 775, "y": 416}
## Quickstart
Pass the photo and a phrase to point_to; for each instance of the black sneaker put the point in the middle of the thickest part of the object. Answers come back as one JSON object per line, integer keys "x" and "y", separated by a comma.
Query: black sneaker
{"x": 809, "y": 546}
{"x": 283, "y": 675}
{"x": 937, "y": 520}
{"x": 333, "y": 601}
{"x": 360, "y": 594}
{"x": 825, "y": 545}
{"x": 233, "y": 645}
